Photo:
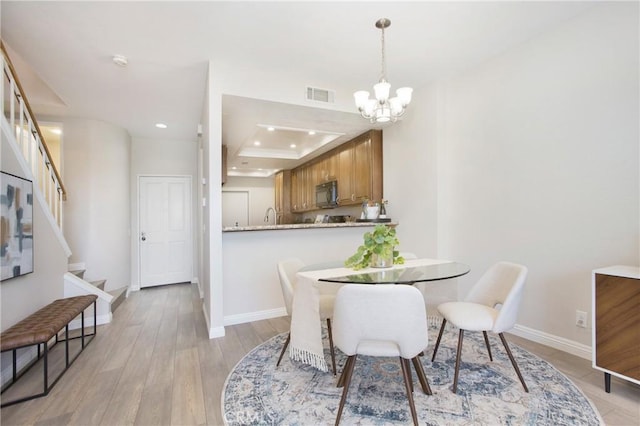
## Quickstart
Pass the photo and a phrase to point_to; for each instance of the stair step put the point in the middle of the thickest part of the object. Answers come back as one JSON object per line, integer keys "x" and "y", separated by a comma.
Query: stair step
{"x": 119, "y": 295}
{"x": 99, "y": 283}
{"x": 78, "y": 273}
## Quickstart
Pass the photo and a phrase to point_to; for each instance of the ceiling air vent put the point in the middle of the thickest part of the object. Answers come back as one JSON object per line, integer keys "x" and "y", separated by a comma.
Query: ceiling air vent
{"x": 320, "y": 95}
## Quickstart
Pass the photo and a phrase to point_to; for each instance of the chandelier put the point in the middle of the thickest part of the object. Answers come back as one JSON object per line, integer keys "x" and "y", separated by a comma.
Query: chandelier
{"x": 382, "y": 109}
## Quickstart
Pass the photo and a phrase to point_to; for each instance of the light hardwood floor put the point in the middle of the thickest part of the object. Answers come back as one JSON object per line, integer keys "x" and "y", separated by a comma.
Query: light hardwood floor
{"x": 154, "y": 365}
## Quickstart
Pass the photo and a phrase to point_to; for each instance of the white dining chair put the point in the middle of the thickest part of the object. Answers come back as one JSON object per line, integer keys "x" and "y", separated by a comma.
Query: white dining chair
{"x": 381, "y": 321}
{"x": 491, "y": 305}
{"x": 287, "y": 273}
{"x": 407, "y": 255}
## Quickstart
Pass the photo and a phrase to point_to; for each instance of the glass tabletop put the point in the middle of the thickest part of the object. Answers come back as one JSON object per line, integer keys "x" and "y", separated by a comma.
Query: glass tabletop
{"x": 408, "y": 275}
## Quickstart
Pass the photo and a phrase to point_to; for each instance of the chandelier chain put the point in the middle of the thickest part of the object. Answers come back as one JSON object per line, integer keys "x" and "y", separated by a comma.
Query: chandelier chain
{"x": 383, "y": 66}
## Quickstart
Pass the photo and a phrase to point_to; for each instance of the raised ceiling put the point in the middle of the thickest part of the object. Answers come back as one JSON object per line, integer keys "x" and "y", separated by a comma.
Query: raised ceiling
{"x": 64, "y": 53}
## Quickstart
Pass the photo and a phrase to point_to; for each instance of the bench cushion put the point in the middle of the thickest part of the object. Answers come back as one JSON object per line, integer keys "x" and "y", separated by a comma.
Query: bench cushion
{"x": 44, "y": 324}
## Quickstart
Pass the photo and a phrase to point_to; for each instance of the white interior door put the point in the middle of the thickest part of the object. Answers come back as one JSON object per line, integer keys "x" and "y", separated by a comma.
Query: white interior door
{"x": 235, "y": 208}
{"x": 165, "y": 240}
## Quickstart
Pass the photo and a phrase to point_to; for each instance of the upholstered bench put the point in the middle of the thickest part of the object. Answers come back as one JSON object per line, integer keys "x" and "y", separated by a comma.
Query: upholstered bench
{"x": 38, "y": 329}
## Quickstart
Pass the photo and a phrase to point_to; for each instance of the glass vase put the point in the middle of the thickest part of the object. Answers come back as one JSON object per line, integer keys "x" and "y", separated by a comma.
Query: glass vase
{"x": 381, "y": 261}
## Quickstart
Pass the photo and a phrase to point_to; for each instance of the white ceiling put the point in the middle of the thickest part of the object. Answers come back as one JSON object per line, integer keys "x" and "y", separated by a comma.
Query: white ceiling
{"x": 63, "y": 52}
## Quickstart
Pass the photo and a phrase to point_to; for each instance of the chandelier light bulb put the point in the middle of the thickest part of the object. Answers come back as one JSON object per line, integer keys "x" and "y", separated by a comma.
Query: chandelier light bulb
{"x": 382, "y": 109}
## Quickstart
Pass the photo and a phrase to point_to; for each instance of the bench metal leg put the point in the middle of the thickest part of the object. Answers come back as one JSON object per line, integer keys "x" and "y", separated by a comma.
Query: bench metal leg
{"x": 66, "y": 346}
{"x": 82, "y": 329}
{"x": 14, "y": 365}
{"x": 86, "y": 339}
{"x": 45, "y": 368}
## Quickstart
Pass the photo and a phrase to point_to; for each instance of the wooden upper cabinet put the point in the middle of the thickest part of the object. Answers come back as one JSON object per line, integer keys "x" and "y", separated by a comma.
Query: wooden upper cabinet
{"x": 356, "y": 165}
{"x": 360, "y": 169}
{"x": 362, "y": 165}
{"x": 328, "y": 168}
{"x": 346, "y": 194}
{"x": 295, "y": 195}
{"x": 283, "y": 196}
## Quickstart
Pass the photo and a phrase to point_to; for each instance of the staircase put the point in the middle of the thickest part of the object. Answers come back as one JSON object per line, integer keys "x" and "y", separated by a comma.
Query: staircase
{"x": 108, "y": 300}
{"x": 23, "y": 136}
{"x": 119, "y": 294}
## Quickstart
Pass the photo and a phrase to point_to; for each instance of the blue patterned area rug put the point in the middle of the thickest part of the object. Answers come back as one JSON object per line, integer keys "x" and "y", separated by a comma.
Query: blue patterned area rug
{"x": 489, "y": 393}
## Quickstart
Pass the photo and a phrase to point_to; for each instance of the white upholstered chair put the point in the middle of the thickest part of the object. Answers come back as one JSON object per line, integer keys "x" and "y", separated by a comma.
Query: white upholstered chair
{"x": 407, "y": 255}
{"x": 384, "y": 321}
{"x": 287, "y": 273}
{"x": 491, "y": 305}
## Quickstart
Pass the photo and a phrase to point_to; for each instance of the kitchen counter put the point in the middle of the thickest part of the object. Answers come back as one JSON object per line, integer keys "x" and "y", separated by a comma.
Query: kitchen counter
{"x": 303, "y": 226}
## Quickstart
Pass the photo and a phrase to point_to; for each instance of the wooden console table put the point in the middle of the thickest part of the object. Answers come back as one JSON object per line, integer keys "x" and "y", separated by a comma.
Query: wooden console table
{"x": 616, "y": 323}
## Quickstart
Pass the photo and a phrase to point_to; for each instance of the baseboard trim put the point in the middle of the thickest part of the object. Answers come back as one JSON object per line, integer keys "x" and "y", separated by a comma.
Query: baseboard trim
{"x": 254, "y": 316}
{"x": 556, "y": 342}
{"x": 214, "y": 332}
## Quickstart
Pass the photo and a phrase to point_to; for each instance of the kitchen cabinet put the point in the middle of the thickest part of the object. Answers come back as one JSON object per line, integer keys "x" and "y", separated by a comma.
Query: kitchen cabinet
{"x": 616, "y": 323}
{"x": 360, "y": 169}
{"x": 346, "y": 193}
{"x": 296, "y": 184}
{"x": 302, "y": 189}
{"x": 356, "y": 165}
{"x": 283, "y": 196}
{"x": 328, "y": 168}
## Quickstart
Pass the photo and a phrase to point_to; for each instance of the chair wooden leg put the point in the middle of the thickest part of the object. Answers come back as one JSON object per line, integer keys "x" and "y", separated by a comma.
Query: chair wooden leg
{"x": 333, "y": 353}
{"x": 351, "y": 362}
{"x": 406, "y": 373}
{"x": 513, "y": 361}
{"x": 421, "y": 376}
{"x": 435, "y": 350}
{"x": 458, "y": 356}
{"x": 486, "y": 342}
{"x": 284, "y": 348}
{"x": 343, "y": 375}
{"x": 410, "y": 376}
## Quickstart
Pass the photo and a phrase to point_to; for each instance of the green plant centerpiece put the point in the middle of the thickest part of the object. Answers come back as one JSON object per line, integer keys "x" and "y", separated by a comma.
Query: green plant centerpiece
{"x": 378, "y": 250}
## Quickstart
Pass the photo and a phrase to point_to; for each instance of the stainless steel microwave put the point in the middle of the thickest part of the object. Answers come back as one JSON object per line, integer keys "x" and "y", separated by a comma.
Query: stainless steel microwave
{"x": 327, "y": 195}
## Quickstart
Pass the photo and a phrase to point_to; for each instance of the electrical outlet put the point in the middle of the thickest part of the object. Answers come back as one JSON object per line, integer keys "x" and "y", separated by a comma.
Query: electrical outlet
{"x": 581, "y": 319}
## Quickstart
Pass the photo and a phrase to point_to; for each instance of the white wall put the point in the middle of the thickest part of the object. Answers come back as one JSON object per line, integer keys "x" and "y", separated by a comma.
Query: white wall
{"x": 161, "y": 158}
{"x": 538, "y": 163}
{"x": 251, "y": 285}
{"x": 261, "y": 196}
{"x": 212, "y": 213}
{"x": 531, "y": 156}
{"x": 97, "y": 211}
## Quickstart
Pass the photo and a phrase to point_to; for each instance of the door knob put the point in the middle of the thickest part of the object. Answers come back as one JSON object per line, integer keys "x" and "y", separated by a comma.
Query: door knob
{"x": 143, "y": 236}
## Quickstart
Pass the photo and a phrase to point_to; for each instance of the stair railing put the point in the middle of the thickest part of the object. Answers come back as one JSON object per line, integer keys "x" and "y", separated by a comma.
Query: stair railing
{"x": 17, "y": 111}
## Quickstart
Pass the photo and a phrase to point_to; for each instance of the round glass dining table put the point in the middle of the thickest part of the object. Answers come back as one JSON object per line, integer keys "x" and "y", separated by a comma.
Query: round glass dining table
{"x": 403, "y": 275}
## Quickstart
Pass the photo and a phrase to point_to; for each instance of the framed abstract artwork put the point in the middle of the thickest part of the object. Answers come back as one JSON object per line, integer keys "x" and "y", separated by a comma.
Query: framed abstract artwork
{"x": 16, "y": 226}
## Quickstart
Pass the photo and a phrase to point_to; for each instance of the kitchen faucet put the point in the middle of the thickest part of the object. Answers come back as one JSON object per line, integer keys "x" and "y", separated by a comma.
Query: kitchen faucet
{"x": 266, "y": 215}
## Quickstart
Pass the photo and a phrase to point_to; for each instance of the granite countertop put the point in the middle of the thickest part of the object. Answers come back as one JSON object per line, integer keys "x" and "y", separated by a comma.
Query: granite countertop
{"x": 301, "y": 226}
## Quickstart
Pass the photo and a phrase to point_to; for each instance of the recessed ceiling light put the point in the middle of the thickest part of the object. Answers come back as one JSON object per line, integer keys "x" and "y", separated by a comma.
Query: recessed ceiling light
{"x": 271, "y": 129}
{"x": 56, "y": 131}
{"x": 312, "y": 132}
{"x": 234, "y": 168}
{"x": 120, "y": 60}
{"x": 161, "y": 125}
{"x": 257, "y": 143}
{"x": 293, "y": 145}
